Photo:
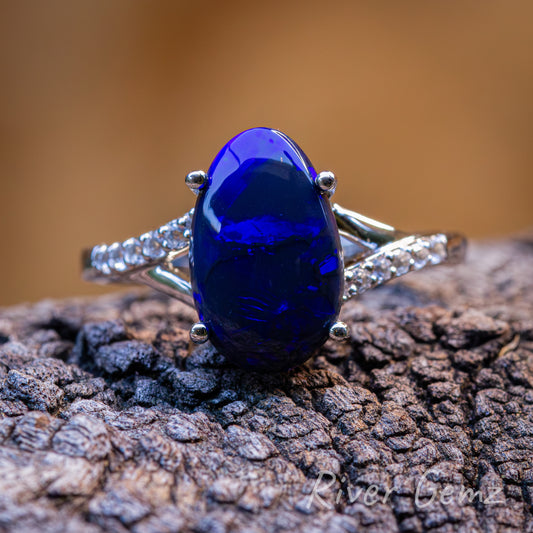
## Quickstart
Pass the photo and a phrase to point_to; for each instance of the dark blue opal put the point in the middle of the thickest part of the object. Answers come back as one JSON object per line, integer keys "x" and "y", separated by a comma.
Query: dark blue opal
{"x": 266, "y": 262}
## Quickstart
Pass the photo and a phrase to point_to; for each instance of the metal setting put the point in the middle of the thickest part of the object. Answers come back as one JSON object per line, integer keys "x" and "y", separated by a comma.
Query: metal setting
{"x": 198, "y": 333}
{"x": 339, "y": 332}
{"x": 373, "y": 252}
{"x": 157, "y": 258}
{"x": 326, "y": 183}
{"x": 196, "y": 180}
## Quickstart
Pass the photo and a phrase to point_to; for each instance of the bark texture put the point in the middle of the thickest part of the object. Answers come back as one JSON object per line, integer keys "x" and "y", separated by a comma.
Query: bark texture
{"x": 111, "y": 421}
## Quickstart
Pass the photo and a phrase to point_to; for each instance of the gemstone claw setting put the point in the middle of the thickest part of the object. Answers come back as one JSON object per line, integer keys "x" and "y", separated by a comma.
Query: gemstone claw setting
{"x": 339, "y": 332}
{"x": 196, "y": 180}
{"x": 326, "y": 183}
{"x": 198, "y": 333}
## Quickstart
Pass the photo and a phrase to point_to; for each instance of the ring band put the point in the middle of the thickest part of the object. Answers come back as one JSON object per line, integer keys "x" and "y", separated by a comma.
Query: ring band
{"x": 374, "y": 253}
{"x": 368, "y": 253}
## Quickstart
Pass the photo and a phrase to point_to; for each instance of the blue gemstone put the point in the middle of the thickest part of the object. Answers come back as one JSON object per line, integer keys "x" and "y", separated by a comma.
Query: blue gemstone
{"x": 266, "y": 264}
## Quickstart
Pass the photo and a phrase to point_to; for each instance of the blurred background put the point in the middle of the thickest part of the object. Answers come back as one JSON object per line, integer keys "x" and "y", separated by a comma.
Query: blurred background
{"x": 423, "y": 110}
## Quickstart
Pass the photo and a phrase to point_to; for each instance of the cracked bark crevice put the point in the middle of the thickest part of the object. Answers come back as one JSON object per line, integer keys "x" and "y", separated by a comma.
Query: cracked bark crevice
{"x": 111, "y": 421}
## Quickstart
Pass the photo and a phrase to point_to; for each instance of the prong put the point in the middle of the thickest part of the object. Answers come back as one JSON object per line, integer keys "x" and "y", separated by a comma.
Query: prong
{"x": 198, "y": 333}
{"x": 326, "y": 183}
{"x": 196, "y": 180}
{"x": 339, "y": 331}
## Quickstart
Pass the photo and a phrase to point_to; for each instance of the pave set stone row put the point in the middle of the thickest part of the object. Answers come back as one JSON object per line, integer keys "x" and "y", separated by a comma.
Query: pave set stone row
{"x": 395, "y": 260}
{"x": 150, "y": 247}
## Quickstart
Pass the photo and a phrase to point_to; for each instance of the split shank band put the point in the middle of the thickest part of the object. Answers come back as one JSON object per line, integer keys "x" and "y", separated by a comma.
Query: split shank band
{"x": 374, "y": 253}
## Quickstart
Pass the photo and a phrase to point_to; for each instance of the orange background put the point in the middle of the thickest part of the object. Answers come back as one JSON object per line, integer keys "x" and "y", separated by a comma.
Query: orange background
{"x": 424, "y": 111}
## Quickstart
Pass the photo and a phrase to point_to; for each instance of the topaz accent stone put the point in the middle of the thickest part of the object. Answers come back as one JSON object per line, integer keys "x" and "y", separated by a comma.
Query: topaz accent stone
{"x": 363, "y": 279}
{"x": 437, "y": 249}
{"x": 420, "y": 255}
{"x": 99, "y": 259}
{"x": 133, "y": 252}
{"x": 266, "y": 259}
{"x": 172, "y": 235}
{"x": 152, "y": 246}
{"x": 382, "y": 269}
{"x": 115, "y": 257}
{"x": 401, "y": 260}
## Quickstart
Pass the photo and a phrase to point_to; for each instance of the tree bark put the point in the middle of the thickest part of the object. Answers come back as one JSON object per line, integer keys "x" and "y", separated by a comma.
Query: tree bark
{"x": 111, "y": 421}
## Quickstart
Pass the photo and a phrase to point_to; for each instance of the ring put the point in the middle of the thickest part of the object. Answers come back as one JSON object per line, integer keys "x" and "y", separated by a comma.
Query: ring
{"x": 265, "y": 257}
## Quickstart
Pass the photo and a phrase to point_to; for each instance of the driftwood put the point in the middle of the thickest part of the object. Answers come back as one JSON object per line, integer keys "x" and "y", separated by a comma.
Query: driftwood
{"x": 111, "y": 421}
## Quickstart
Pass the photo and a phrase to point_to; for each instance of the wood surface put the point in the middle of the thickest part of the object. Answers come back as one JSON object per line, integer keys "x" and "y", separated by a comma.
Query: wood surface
{"x": 111, "y": 421}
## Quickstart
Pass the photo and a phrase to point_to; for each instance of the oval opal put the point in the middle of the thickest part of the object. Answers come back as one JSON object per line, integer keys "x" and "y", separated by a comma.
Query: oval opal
{"x": 266, "y": 259}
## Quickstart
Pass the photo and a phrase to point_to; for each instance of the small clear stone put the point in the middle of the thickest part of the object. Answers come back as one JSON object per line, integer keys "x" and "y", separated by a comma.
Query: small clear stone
{"x": 151, "y": 246}
{"x": 437, "y": 249}
{"x": 99, "y": 259}
{"x": 186, "y": 220}
{"x": 420, "y": 255}
{"x": 362, "y": 279}
{"x": 133, "y": 252}
{"x": 115, "y": 257}
{"x": 401, "y": 261}
{"x": 382, "y": 268}
{"x": 172, "y": 235}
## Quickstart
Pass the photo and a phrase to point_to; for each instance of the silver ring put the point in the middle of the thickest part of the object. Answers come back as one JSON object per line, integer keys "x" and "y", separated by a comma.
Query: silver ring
{"x": 373, "y": 252}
